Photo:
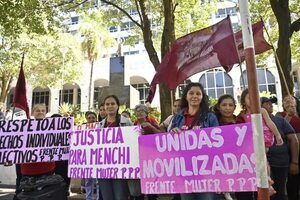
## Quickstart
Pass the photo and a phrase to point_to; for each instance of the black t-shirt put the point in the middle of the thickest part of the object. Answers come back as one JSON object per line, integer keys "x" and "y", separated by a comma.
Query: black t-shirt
{"x": 278, "y": 156}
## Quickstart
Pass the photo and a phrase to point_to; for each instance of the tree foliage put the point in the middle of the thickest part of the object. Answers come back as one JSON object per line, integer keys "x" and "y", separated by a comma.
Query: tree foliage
{"x": 283, "y": 18}
{"x": 44, "y": 63}
{"x": 96, "y": 39}
{"x": 163, "y": 21}
{"x": 36, "y": 16}
{"x": 34, "y": 27}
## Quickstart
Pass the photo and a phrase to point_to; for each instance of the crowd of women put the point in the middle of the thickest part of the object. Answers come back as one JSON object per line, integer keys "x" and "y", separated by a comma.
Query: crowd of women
{"x": 192, "y": 111}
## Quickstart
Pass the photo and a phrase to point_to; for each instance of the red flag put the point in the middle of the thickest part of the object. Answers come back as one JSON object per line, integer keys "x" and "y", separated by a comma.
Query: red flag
{"x": 20, "y": 98}
{"x": 198, "y": 51}
{"x": 260, "y": 44}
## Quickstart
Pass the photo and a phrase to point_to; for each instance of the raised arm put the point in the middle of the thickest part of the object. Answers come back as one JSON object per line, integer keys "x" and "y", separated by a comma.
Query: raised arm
{"x": 272, "y": 126}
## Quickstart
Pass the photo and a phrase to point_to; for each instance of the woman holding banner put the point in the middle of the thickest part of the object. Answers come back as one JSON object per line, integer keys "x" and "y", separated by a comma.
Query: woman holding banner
{"x": 224, "y": 110}
{"x": 113, "y": 189}
{"x": 194, "y": 114}
{"x": 36, "y": 169}
{"x": 41, "y": 173}
{"x": 91, "y": 117}
{"x": 148, "y": 126}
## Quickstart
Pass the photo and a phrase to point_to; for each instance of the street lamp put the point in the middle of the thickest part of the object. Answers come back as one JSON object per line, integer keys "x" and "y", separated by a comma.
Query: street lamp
{"x": 63, "y": 51}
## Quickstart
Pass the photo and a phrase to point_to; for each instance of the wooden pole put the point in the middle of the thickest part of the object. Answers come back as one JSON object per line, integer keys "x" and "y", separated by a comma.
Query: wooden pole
{"x": 172, "y": 101}
{"x": 256, "y": 117}
{"x": 241, "y": 70}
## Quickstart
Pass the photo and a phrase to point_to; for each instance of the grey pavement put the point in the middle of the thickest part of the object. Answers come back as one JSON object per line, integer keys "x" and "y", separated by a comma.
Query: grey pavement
{"x": 7, "y": 193}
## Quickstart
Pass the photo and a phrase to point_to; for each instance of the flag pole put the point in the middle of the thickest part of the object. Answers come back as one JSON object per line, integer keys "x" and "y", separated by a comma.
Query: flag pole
{"x": 256, "y": 117}
{"x": 276, "y": 57}
{"x": 241, "y": 70}
{"x": 14, "y": 107}
{"x": 172, "y": 102}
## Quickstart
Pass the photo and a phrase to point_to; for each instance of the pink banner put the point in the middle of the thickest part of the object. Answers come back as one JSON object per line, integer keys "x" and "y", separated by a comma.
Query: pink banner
{"x": 206, "y": 160}
{"x": 35, "y": 140}
{"x": 104, "y": 153}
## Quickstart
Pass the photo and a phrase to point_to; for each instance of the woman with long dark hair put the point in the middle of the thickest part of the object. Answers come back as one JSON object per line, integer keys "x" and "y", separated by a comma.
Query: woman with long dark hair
{"x": 224, "y": 110}
{"x": 113, "y": 189}
{"x": 194, "y": 114}
{"x": 102, "y": 113}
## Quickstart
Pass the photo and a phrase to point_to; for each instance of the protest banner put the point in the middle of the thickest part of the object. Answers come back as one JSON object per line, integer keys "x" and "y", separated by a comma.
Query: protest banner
{"x": 35, "y": 140}
{"x": 104, "y": 153}
{"x": 206, "y": 160}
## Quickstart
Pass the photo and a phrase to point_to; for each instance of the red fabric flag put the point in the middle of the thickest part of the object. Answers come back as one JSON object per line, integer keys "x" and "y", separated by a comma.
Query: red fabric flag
{"x": 260, "y": 44}
{"x": 20, "y": 98}
{"x": 198, "y": 51}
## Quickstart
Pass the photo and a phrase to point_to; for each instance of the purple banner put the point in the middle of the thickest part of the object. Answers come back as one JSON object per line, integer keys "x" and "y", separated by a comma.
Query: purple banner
{"x": 30, "y": 140}
{"x": 206, "y": 160}
{"x": 104, "y": 153}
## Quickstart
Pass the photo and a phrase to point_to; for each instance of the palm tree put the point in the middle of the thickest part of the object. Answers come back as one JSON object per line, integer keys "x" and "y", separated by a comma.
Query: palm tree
{"x": 96, "y": 38}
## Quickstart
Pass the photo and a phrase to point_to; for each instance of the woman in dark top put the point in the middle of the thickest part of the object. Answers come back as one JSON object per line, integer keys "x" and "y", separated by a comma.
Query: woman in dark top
{"x": 291, "y": 115}
{"x": 148, "y": 126}
{"x": 194, "y": 114}
{"x": 113, "y": 189}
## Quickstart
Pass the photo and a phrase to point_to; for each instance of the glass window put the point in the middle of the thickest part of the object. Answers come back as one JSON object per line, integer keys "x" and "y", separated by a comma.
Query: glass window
{"x": 261, "y": 76}
{"x": 220, "y": 91}
{"x": 235, "y": 27}
{"x": 266, "y": 80}
{"x": 216, "y": 83}
{"x": 143, "y": 89}
{"x": 127, "y": 26}
{"x": 211, "y": 92}
{"x": 231, "y": 11}
{"x": 221, "y": 13}
{"x": 203, "y": 81}
{"x": 133, "y": 12}
{"x": 41, "y": 97}
{"x": 182, "y": 85}
{"x": 229, "y": 90}
{"x": 270, "y": 77}
{"x": 272, "y": 89}
{"x": 210, "y": 79}
{"x": 263, "y": 88}
{"x": 97, "y": 94}
{"x": 74, "y": 20}
{"x": 113, "y": 29}
{"x": 219, "y": 79}
{"x": 68, "y": 96}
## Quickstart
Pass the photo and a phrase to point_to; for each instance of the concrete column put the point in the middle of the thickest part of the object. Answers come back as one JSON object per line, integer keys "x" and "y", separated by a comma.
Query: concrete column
{"x": 75, "y": 95}
{"x": 54, "y": 100}
{"x": 84, "y": 99}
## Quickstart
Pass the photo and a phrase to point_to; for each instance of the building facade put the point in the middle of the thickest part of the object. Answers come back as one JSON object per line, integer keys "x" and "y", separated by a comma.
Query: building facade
{"x": 138, "y": 72}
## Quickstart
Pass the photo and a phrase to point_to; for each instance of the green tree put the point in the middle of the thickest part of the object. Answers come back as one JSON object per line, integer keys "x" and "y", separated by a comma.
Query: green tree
{"x": 43, "y": 60}
{"x": 283, "y": 16}
{"x": 161, "y": 14}
{"x": 96, "y": 38}
{"x": 35, "y": 16}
